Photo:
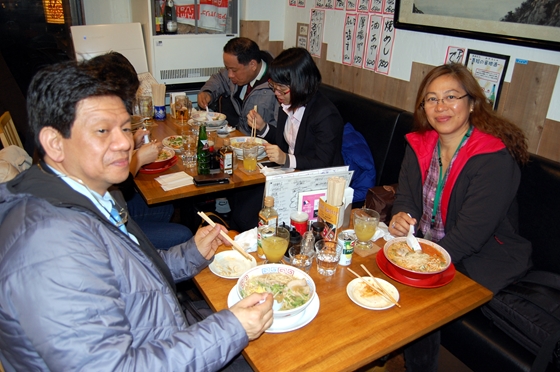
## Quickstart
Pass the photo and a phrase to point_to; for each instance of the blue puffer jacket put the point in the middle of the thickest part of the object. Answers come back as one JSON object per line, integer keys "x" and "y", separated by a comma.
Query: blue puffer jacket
{"x": 77, "y": 294}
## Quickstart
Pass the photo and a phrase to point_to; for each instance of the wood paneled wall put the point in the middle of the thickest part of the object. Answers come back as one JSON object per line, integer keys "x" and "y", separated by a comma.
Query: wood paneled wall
{"x": 524, "y": 101}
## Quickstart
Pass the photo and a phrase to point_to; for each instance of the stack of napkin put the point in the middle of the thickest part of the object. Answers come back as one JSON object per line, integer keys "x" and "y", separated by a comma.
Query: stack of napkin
{"x": 174, "y": 180}
{"x": 248, "y": 240}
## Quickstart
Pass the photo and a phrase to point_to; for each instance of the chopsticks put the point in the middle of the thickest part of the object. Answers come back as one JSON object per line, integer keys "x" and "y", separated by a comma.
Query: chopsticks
{"x": 226, "y": 236}
{"x": 254, "y": 127}
{"x": 376, "y": 286}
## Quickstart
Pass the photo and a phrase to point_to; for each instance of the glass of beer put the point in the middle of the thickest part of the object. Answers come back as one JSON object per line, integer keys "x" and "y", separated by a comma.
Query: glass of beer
{"x": 365, "y": 224}
{"x": 275, "y": 245}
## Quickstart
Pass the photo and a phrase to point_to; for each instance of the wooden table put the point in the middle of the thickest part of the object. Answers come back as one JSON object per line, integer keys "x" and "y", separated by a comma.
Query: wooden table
{"x": 344, "y": 336}
{"x": 151, "y": 190}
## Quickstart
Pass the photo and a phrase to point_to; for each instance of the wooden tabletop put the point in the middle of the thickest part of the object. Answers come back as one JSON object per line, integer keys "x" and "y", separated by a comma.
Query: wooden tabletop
{"x": 344, "y": 336}
{"x": 151, "y": 190}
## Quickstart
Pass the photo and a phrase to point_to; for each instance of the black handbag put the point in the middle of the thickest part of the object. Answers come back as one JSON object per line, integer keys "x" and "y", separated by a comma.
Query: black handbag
{"x": 529, "y": 311}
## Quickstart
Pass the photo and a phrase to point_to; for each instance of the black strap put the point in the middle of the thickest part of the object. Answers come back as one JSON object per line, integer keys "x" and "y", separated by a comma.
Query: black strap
{"x": 545, "y": 353}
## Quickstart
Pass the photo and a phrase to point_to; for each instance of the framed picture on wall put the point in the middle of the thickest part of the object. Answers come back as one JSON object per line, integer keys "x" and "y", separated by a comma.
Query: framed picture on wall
{"x": 505, "y": 21}
{"x": 489, "y": 70}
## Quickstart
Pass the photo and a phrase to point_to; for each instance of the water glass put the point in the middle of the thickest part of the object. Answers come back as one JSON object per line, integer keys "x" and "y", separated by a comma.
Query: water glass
{"x": 145, "y": 107}
{"x": 189, "y": 150}
{"x": 300, "y": 260}
{"x": 328, "y": 255}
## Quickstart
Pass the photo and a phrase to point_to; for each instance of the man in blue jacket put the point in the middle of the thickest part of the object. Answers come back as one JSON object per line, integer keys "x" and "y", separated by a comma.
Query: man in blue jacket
{"x": 82, "y": 286}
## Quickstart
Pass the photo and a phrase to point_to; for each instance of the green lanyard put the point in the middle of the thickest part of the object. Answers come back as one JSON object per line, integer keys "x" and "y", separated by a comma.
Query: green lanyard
{"x": 440, "y": 184}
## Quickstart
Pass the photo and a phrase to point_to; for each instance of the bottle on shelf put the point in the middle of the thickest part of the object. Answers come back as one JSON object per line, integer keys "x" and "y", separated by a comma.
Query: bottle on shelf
{"x": 227, "y": 157}
{"x": 267, "y": 216}
{"x": 203, "y": 151}
{"x": 158, "y": 11}
{"x": 169, "y": 18}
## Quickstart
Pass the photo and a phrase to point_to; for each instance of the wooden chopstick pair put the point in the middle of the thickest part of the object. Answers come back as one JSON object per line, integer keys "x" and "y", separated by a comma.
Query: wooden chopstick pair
{"x": 254, "y": 127}
{"x": 226, "y": 236}
{"x": 376, "y": 286}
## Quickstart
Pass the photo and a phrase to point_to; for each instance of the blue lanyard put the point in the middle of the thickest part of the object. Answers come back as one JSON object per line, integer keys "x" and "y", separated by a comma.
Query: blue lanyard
{"x": 442, "y": 177}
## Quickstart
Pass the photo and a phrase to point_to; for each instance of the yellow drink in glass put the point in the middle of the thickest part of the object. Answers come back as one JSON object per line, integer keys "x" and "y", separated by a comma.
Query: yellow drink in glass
{"x": 276, "y": 245}
{"x": 364, "y": 229}
{"x": 250, "y": 164}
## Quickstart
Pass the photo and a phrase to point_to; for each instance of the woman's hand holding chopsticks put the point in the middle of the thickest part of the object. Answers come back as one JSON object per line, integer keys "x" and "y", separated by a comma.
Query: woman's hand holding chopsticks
{"x": 255, "y": 120}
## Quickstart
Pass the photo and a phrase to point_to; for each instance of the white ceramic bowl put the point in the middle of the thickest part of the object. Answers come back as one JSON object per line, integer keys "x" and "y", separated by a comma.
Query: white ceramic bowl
{"x": 418, "y": 274}
{"x": 202, "y": 117}
{"x": 237, "y": 144}
{"x": 282, "y": 269}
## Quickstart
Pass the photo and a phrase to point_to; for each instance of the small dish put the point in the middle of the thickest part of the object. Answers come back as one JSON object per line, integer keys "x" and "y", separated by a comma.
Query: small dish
{"x": 231, "y": 264}
{"x": 361, "y": 295}
{"x": 174, "y": 142}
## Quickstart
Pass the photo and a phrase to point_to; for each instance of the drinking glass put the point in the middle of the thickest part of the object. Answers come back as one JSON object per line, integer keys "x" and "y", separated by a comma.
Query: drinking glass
{"x": 365, "y": 224}
{"x": 302, "y": 261}
{"x": 189, "y": 150}
{"x": 183, "y": 107}
{"x": 328, "y": 255}
{"x": 250, "y": 151}
{"x": 275, "y": 245}
{"x": 145, "y": 107}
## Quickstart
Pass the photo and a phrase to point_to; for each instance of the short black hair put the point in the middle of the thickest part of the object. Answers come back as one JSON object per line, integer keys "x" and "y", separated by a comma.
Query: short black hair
{"x": 244, "y": 49}
{"x": 295, "y": 68}
{"x": 114, "y": 68}
{"x": 54, "y": 94}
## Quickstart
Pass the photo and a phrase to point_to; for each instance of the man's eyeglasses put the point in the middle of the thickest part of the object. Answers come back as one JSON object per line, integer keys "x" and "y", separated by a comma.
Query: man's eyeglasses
{"x": 276, "y": 87}
{"x": 449, "y": 100}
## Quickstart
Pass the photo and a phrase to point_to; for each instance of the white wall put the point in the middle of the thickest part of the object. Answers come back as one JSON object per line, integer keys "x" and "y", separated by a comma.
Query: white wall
{"x": 409, "y": 46}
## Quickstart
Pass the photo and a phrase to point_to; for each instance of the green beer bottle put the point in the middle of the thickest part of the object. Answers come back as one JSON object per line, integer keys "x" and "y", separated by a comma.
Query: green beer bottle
{"x": 203, "y": 151}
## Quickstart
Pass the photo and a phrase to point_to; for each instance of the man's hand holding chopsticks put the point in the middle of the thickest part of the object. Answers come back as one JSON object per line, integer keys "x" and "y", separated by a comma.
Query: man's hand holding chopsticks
{"x": 208, "y": 239}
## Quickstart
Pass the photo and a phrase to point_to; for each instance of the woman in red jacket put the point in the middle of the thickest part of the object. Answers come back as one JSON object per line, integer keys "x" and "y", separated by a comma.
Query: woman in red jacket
{"x": 458, "y": 183}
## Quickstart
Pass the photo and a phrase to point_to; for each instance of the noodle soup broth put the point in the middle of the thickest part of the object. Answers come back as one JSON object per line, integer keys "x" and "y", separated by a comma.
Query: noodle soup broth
{"x": 292, "y": 288}
{"x": 431, "y": 261}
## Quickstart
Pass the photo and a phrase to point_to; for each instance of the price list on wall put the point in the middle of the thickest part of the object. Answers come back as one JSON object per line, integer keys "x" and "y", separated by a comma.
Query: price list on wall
{"x": 368, "y": 32}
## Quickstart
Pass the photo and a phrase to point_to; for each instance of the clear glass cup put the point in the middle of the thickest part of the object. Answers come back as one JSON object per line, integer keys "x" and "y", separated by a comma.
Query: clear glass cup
{"x": 189, "y": 150}
{"x": 365, "y": 223}
{"x": 145, "y": 107}
{"x": 182, "y": 108}
{"x": 302, "y": 261}
{"x": 328, "y": 255}
{"x": 250, "y": 151}
{"x": 275, "y": 245}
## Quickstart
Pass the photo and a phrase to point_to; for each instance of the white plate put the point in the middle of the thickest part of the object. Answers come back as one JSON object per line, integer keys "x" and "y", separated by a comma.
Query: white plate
{"x": 377, "y": 302}
{"x": 167, "y": 143}
{"x": 287, "y": 324}
{"x": 231, "y": 264}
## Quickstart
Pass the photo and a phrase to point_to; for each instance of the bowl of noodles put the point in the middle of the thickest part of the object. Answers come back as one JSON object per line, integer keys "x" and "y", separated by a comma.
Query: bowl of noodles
{"x": 165, "y": 156}
{"x": 431, "y": 261}
{"x": 292, "y": 288}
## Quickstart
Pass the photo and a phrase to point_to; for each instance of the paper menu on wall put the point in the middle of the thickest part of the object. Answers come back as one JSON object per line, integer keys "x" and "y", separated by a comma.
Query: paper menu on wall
{"x": 286, "y": 188}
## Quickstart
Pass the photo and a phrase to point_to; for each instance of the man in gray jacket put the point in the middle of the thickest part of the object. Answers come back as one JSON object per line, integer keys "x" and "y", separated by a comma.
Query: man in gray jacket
{"x": 244, "y": 81}
{"x": 82, "y": 286}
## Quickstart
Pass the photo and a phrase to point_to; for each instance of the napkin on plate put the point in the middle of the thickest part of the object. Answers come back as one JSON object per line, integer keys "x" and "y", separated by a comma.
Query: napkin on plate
{"x": 174, "y": 180}
{"x": 266, "y": 171}
{"x": 248, "y": 240}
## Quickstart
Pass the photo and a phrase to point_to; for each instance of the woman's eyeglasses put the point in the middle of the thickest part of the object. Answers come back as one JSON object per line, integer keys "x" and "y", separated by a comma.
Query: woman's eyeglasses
{"x": 450, "y": 100}
{"x": 276, "y": 87}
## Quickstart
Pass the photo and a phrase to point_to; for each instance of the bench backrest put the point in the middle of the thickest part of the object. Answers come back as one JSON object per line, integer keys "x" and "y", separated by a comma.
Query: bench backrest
{"x": 382, "y": 126}
{"x": 539, "y": 207}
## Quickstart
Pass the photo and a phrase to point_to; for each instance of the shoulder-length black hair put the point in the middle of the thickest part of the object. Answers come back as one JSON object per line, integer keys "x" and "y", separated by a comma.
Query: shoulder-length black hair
{"x": 295, "y": 68}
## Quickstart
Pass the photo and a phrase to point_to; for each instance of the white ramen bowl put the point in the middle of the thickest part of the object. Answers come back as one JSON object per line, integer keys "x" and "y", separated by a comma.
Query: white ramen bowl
{"x": 202, "y": 117}
{"x": 412, "y": 273}
{"x": 282, "y": 269}
{"x": 237, "y": 145}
